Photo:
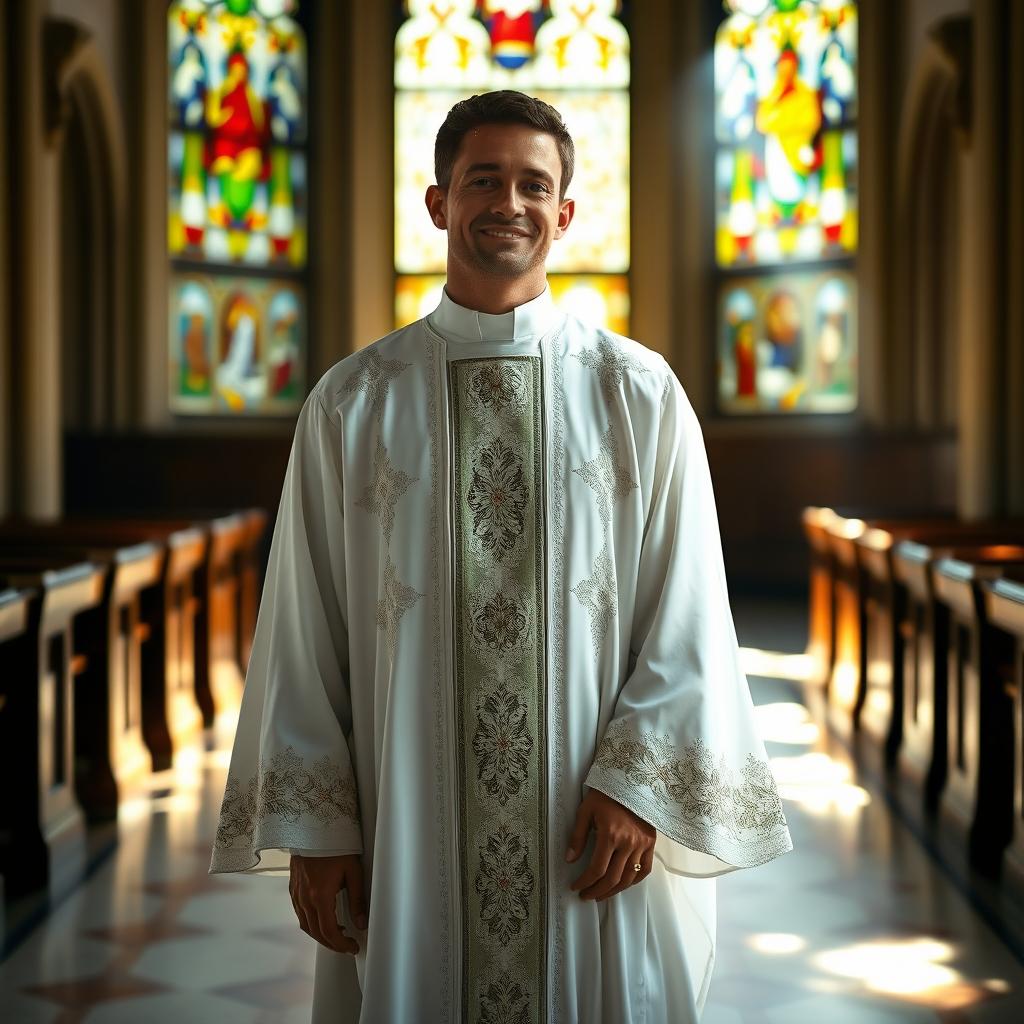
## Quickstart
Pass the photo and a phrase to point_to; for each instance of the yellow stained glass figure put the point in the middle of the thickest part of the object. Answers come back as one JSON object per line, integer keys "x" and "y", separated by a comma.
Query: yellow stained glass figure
{"x": 442, "y": 45}
{"x": 583, "y": 45}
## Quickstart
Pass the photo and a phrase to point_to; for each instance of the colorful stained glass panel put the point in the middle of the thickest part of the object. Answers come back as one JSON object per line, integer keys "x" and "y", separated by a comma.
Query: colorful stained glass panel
{"x": 787, "y": 343}
{"x": 237, "y": 109}
{"x": 215, "y": 218}
{"x": 511, "y": 44}
{"x": 237, "y": 344}
{"x": 761, "y": 220}
{"x": 786, "y": 100}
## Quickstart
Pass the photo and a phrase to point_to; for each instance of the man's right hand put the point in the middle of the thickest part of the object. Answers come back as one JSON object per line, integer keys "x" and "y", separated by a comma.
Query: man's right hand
{"x": 314, "y": 883}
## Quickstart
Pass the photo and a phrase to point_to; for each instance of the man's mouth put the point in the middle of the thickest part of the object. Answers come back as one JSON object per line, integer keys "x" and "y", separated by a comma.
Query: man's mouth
{"x": 503, "y": 233}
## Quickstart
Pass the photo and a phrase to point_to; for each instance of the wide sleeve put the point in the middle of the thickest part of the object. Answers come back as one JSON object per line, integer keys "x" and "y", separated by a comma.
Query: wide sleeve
{"x": 682, "y": 749}
{"x": 291, "y": 783}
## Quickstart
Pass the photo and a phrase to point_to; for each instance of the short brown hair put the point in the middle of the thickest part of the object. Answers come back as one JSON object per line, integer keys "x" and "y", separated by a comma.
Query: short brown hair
{"x": 504, "y": 106}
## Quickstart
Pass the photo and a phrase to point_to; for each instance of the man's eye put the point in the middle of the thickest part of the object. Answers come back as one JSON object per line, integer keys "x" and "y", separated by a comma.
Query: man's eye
{"x": 476, "y": 181}
{"x": 539, "y": 185}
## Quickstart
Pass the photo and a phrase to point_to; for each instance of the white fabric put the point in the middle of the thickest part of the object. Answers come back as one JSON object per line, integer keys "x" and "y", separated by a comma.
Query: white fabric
{"x": 351, "y": 669}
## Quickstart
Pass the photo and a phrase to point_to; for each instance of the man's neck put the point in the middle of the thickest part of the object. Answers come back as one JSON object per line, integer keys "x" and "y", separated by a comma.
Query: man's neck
{"x": 494, "y": 294}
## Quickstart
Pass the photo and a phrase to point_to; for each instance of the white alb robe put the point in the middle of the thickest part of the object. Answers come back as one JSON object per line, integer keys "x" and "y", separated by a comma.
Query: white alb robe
{"x": 495, "y": 581}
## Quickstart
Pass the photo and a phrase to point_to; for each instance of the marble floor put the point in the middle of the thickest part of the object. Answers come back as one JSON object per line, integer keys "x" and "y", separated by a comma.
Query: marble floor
{"x": 858, "y": 925}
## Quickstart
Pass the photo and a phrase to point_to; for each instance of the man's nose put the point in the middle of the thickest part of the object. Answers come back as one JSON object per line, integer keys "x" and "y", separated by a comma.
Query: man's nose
{"x": 507, "y": 202}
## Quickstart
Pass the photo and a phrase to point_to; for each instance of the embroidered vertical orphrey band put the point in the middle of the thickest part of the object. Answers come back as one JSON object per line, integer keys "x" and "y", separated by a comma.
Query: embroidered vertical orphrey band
{"x": 500, "y": 679}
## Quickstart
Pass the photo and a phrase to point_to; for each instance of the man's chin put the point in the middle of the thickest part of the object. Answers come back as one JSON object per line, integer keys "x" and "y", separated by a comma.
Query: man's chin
{"x": 508, "y": 264}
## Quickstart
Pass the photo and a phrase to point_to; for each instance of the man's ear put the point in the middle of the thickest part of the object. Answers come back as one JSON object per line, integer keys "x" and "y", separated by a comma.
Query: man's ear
{"x": 565, "y": 215}
{"x": 435, "y": 200}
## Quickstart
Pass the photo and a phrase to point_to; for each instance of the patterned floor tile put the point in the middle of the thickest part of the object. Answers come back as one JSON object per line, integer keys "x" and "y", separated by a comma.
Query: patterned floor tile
{"x": 174, "y": 1008}
{"x": 279, "y": 993}
{"x": 198, "y": 965}
{"x": 92, "y": 990}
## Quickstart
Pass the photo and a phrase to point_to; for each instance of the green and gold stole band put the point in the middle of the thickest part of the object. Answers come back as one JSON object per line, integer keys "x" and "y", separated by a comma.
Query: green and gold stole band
{"x": 500, "y": 683}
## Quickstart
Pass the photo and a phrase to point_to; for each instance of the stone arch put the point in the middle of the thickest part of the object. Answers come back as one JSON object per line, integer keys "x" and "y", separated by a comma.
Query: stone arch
{"x": 85, "y": 129}
{"x": 929, "y": 195}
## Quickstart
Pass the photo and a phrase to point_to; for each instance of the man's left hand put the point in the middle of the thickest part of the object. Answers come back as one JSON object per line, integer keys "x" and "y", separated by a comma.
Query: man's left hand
{"x": 623, "y": 839}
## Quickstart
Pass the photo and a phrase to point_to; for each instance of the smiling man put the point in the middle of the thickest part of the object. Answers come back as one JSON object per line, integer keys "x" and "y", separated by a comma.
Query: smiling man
{"x": 494, "y": 709}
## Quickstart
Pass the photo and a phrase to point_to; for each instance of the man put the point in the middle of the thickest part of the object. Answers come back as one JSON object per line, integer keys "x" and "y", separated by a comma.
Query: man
{"x": 494, "y": 695}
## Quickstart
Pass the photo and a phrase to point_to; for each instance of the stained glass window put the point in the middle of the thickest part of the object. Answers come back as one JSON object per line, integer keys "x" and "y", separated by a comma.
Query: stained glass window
{"x": 786, "y": 205}
{"x": 575, "y": 57}
{"x": 237, "y": 205}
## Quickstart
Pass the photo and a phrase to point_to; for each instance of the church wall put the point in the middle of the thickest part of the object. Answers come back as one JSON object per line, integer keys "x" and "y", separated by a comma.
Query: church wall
{"x": 104, "y": 21}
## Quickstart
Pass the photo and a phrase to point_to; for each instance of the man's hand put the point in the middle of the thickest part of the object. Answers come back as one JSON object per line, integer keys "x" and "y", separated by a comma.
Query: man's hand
{"x": 623, "y": 840}
{"x": 314, "y": 883}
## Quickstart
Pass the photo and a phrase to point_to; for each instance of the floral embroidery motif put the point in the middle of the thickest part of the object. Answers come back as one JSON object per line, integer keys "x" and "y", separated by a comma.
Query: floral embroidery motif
{"x": 502, "y": 743}
{"x": 373, "y": 375}
{"x": 504, "y": 882}
{"x": 498, "y": 497}
{"x": 693, "y": 785}
{"x": 504, "y": 1002}
{"x": 389, "y": 484}
{"x": 604, "y": 473}
{"x": 599, "y": 595}
{"x": 501, "y": 622}
{"x": 397, "y": 598}
{"x": 611, "y": 363}
{"x": 290, "y": 789}
{"x": 498, "y": 387}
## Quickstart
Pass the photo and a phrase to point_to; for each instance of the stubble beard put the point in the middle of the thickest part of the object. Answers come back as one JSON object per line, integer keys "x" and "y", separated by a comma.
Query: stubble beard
{"x": 507, "y": 263}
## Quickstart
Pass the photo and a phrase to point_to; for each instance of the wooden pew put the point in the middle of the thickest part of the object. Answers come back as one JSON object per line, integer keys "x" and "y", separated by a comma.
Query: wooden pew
{"x": 858, "y": 595}
{"x": 111, "y": 758}
{"x": 164, "y": 614}
{"x": 923, "y": 755}
{"x": 852, "y": 605}
{"x": 1004, "y": 607}
{"x": 884, "y": 624}
{"x": 45, "y": 846}
{"x": 978, "y": 796}
{"x": 14, "y": 635}
{"x": 226, "y": 585}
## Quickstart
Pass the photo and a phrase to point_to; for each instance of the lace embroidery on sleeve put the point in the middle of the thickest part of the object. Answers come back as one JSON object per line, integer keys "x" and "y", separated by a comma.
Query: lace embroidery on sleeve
{"x": 289, "y": 788}
{"x": 702, "y": 803}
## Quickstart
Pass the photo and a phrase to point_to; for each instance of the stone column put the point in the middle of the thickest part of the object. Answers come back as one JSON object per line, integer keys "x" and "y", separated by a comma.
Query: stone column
{"x": 370, "y": 217}
{"x": 333, "y": 186}
{"x": 34, "y": 285}
{"x": 146, "y": 131}
{"x": 1014, "y": 379}
{"x": 653, "y": 191}
{"x": 981, "y": 484}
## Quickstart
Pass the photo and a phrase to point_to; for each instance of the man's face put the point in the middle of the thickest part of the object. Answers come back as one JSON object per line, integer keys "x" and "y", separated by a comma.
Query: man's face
{"x": 501, "y": 209}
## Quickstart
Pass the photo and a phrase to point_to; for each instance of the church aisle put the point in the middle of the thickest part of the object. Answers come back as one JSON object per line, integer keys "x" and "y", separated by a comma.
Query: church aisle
{"x": 856, "y": 926}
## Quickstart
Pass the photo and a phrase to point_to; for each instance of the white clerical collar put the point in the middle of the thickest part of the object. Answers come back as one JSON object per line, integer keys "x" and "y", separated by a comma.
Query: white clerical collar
{"x": 457, "y": 323}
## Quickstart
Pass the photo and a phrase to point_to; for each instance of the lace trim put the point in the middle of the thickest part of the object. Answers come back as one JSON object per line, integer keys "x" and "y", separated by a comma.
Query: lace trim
{"x": 709, "y": 809}
{"x": 291, "y": 789}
